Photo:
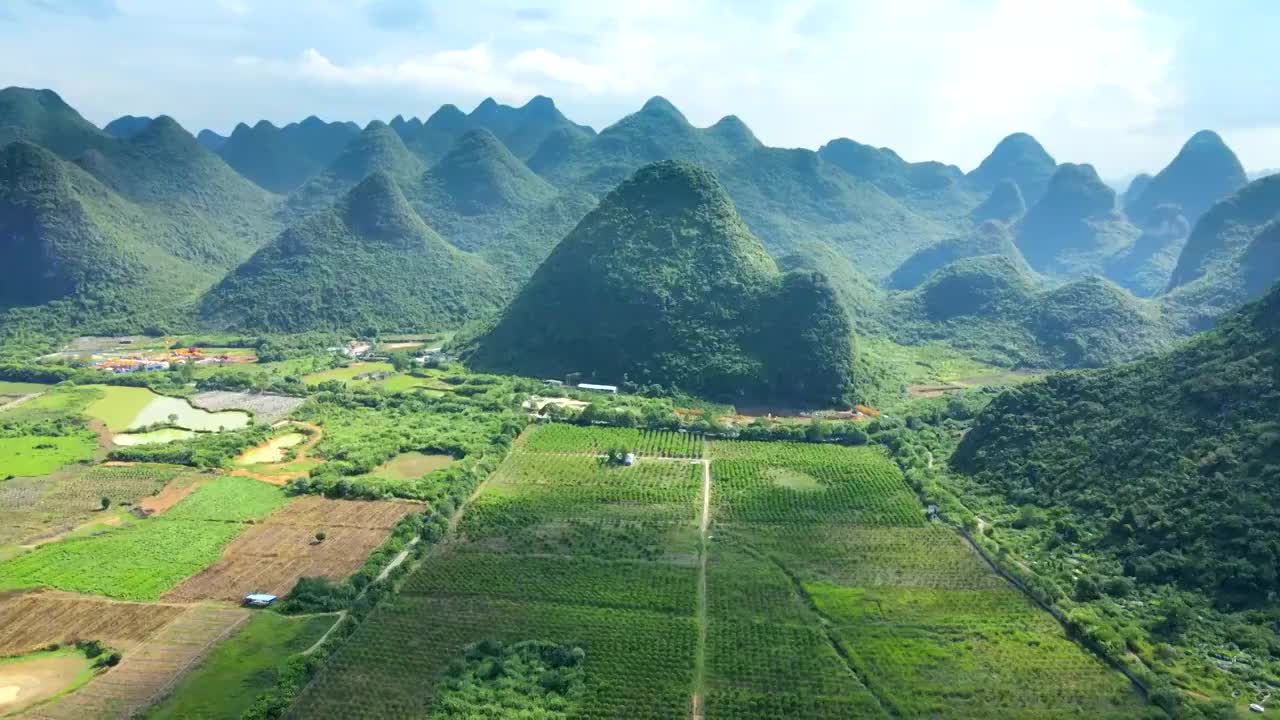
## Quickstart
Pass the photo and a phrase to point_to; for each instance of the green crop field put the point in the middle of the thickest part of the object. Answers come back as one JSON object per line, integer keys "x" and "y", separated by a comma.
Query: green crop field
{"x": 348, "y": 373}
{"x": 144, "y": 559}
{"x": 558, "y": 437}
{"x": 558, "y": 548}
{"x": 32, "y": 455}
{"x": 241, "y": 668}
{"x": 825, "y": 593}
{"x": 910, "y": 621}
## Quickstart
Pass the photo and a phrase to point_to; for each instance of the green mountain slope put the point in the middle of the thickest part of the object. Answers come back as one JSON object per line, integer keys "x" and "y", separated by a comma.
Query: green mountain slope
{"x": 663, "y": 283}
{"x": 1075, "y": 226}
{"x": 219, "y": 217}
{"x": 791, "y": 199}
{"x": 376, "y": 149}
{"x": 368, "y": 264}
{"x": 1145, "y": 266}
{"x": 78, "y": 254}
{"x": 1204, "y": 171}
{"x": 211, "y": 140}
{"x": 281, "y": 159}
{"x": 989, "y": 238}
{"x": 993, "y": 306}
{"x": 1167, "y": 465}
{"x": 483, "y": 199}
{"x": 1230, "y": 257}
{"x": 126, "y": 126}
{"x": 927, "y": 186}
{"x": 432, "y": 139}
{"x": 1020, "y": 158}
{"x": 43, "y": 118}
{"x": 525, "y": 128}
{"x": 1005, "y": 204}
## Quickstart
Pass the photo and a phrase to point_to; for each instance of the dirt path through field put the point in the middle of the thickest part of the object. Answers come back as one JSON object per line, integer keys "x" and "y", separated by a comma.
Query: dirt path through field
{"x": 18, "y": 401}
{"x": 700, "y": 658}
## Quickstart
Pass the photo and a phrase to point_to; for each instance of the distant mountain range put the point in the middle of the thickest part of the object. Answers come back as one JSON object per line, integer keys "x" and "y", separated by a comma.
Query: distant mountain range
{"x": 909, "y": 248}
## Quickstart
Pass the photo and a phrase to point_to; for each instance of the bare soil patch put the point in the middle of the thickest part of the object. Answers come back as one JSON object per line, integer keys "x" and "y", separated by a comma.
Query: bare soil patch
{"x": 273, "y": 555}
{"x": 172, "y": 494}
{"x": 24, "y": 683}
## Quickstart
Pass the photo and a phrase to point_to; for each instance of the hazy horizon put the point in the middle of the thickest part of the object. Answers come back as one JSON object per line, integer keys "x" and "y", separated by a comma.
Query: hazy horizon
{"x": 1120, "y": 85}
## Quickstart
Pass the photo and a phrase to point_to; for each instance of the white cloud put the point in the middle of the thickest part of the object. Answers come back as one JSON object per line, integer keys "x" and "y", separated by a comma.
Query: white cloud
{"x": 543, "y": 64}
{"x": 464, "y": 71}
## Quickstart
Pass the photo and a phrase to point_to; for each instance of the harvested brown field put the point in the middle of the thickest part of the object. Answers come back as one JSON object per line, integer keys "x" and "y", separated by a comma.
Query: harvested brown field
{"x": 33, "y": 621}
{"x": 271, "y": 556}
{"x": 36, "y": 509}
{"x": 325, "y": 513}
{"x": 149, "y": 671}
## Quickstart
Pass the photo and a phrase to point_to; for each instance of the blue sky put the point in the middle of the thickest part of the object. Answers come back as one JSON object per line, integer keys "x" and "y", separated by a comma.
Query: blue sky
{"x": 1119, "y": 83}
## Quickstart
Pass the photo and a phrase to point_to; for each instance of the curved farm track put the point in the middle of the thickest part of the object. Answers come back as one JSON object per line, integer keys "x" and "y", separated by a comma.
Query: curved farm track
{"x": 284, "y": 476}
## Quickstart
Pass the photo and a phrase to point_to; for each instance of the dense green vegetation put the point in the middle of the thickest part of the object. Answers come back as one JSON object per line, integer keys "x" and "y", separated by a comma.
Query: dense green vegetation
{"x": 1204, "y": 171}
{"x": 1018, "y": 158}
{"x": 989, "y": 238}
{"x": 1232, "y": 256}
{"x": 530, "y": 678}
{"x": 393, "y": 273}
{"x": 1075, "y": 227}
{"x": 992, "y": 307}
{"x": 281, "y": 159}
{"x": 663, "y": 284}
{"x": 1164, "y": 462}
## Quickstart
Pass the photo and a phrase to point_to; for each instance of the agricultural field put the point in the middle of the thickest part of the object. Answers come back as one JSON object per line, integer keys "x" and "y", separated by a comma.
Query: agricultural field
{"x": 32, "y": 621}
{"x": 32, "y": 679}
{"x": 558, "y": 548}
{"x": 241, "y": 668}
{"x": 273, "y": 554}
{"x": 910, "y": 621}
{"x": 148, "y": 670}
{"x": 810, "y": 484}
{"x": 558, "y": 437}
{"x": 266, "y": 407}
{"x": 35, "y": 455}
{"x": 142, "y": 559}
{"x": 348, "y": 373}
{"x": 34, "y": 508}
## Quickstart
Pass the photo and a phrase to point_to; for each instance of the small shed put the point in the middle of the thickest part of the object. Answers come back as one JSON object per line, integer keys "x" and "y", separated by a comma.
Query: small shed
{"x": 259, "y": 600}
{"x": 629, "y": 459}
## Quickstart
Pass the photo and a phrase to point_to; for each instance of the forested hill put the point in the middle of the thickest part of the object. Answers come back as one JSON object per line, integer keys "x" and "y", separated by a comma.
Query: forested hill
{"x": 368, "y": 265}
{"x": 1169, "y": 464}
{"x": 663, "y": 284}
